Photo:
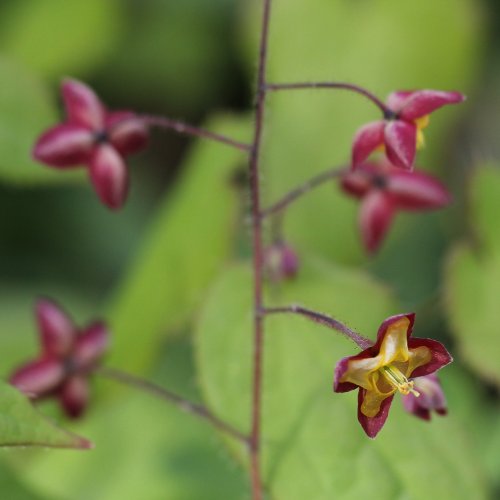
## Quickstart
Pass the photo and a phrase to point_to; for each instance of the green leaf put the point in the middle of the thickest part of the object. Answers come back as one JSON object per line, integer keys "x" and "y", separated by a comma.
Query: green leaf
{"x": 472, "y": 285}
{"x": 25, "y": 111}
{"x": 188, "y": 241}
{"x": 313, "y": 444}
{"x": 13, "y": 489}
{"x": 145, "y": 448}
{"x": 55, "y": 36}
{"x": 22, "y": 425}
{"x": 379, "y": 45}
{"x": 484, "y": 199}
{"x": 472, "y": 280}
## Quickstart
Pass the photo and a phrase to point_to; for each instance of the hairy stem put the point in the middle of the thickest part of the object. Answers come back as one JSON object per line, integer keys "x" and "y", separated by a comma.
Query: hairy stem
{"x": 186, "y": 129}
{"x": 258, "y": 259}
{"x": 323, "y": 319}
{"x": 333, "y": 85}
{"x": 310, "y": 184}
{"x": 195, "y": 409}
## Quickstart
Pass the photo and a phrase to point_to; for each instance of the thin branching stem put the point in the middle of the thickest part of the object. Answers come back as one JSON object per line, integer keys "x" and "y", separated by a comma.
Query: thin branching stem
{"x": 332, "y": 85}
{"x": 258, "y": 260}
{"x": 323, "y": 319}
{"x": 304, "y": 188}
{"x": 183, "y": 404}
{"x": 186, "y": 129}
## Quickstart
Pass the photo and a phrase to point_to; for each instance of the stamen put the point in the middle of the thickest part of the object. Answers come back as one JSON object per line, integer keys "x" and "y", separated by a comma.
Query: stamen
{"x": 398, "y": 380}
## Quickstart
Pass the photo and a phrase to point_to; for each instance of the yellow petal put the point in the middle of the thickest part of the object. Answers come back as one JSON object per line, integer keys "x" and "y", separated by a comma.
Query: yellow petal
{"x": 394, "y": 347}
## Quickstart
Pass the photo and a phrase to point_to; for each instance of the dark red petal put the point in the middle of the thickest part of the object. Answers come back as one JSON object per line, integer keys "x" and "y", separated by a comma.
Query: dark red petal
{"x": 373, "y": 425}
{"x": 56, "y": 328}
{"x": 127, "y": 132}
{"x": 109, "y": 176}
{"x": 367, "y": 139}
{"x": 74, "y": 396}
{"x": 38, "y": 377}
{"x": 82, "y": 105}
{"x": 424, "y": 102}
{"x": 91, "y": 345}
{"x": 400, "y": 139}
{"x": 416, "y": 190}
{"x": 396, "y": 100}
{"x": 440, "y": 356}
{"x": 412, "y": 405}
{"x": 340, "y": 369}
{"x": 356, "y": 182}
{"x": 387, "y": 323}
{"x": 375, "y": 217}
{"x": 64, "y": 146}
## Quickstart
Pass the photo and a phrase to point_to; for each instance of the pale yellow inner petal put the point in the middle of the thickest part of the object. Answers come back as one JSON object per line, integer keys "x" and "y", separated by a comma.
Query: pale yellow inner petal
{"x": 395, "y": 344}
{"x": 421, "y": 123}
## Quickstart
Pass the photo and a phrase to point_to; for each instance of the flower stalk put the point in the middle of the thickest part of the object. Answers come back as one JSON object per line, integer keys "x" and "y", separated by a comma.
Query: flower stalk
{"x": 187, "y": 129}
{"x": 183, "y": 404}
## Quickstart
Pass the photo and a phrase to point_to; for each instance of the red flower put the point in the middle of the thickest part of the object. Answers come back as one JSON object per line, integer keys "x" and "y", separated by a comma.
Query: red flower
{"x": 68, "y": 355}
{"x": 386, "y": 367}
{"x": 431, "y": 398}
{"x": 384, "y": 190}
{"x": 94, "y": 137}
{"x": 400, "y": 132}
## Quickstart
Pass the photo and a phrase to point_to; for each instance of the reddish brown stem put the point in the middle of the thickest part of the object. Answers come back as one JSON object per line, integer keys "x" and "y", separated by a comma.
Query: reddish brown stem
{"x": 310, "y": 184}
{"x": 323, "y": 319}
{"x": 195, "y": 409}
{"x": 332, "y": 85}
{"x": 258, "y": 259}
{"x": 186, "y": 129}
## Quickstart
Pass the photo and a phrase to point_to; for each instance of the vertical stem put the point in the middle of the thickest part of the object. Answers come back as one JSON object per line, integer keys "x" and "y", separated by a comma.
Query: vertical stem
{"x": 258, "y": 258}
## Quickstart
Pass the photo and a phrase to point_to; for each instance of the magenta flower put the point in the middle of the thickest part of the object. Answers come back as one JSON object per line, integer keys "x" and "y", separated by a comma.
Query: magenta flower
{"x": 400, "y": 132}
{"x": 68, "y": 356}
{"x": 383, "y": 190}
{"x": 386, "y": 367}
{"x": 431, "y": 398}
{"x": 94, "y": 137}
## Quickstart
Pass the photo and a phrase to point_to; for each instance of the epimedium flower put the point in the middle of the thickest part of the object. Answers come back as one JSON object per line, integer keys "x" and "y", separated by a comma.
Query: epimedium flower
{"x": 431, "y": 398}
{"x": 384, "y": 190}
{"x": 386, "y": 367}
{"x": 400, "y": 132}
{"x": 67, "y": 358}
{"x": 95, "y": 137}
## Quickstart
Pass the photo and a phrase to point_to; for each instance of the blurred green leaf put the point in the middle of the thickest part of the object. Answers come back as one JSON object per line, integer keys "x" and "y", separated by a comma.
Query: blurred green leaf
{"x": 472, "y": 280}
{"x": 145, "y": 449}
{"x": 188, "y": 242}
{"x": 176, "y": 53}
{"x": 313, "y": 444}
{"x": 13, "y": 489}
{"x": 25, "y": 110}
{"x": 22, "y": 425}
{"x": 55, "y": 37}
{"x": 377, "y": 44}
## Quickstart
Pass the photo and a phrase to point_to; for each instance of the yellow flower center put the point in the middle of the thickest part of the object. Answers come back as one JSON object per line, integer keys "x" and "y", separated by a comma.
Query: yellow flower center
{"x": 398, "y": 380}
{"x": 421, "y": 123}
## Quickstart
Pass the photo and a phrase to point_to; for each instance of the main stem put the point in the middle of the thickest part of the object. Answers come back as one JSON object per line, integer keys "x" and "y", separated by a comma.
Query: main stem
{"x": 258, "y": 260}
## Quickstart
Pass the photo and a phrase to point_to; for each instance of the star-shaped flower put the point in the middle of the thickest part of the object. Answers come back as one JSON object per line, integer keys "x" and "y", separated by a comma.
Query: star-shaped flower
{"x": 94, "y": 137}
{"x": 384, "y": 190}
{"x": 386, "y": 367}
{"x": 431, "y": 398}
{"x": 68, "y": 356}
{"x": 400, "y": 132}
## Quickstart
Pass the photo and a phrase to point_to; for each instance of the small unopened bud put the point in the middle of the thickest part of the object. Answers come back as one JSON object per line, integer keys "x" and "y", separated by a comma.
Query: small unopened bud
{"x": 281, "y": 262}
{"x": 431, "y": 398}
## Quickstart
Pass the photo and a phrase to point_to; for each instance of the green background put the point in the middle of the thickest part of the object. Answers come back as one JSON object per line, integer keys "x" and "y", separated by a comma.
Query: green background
{"x": 170, "y": 271}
